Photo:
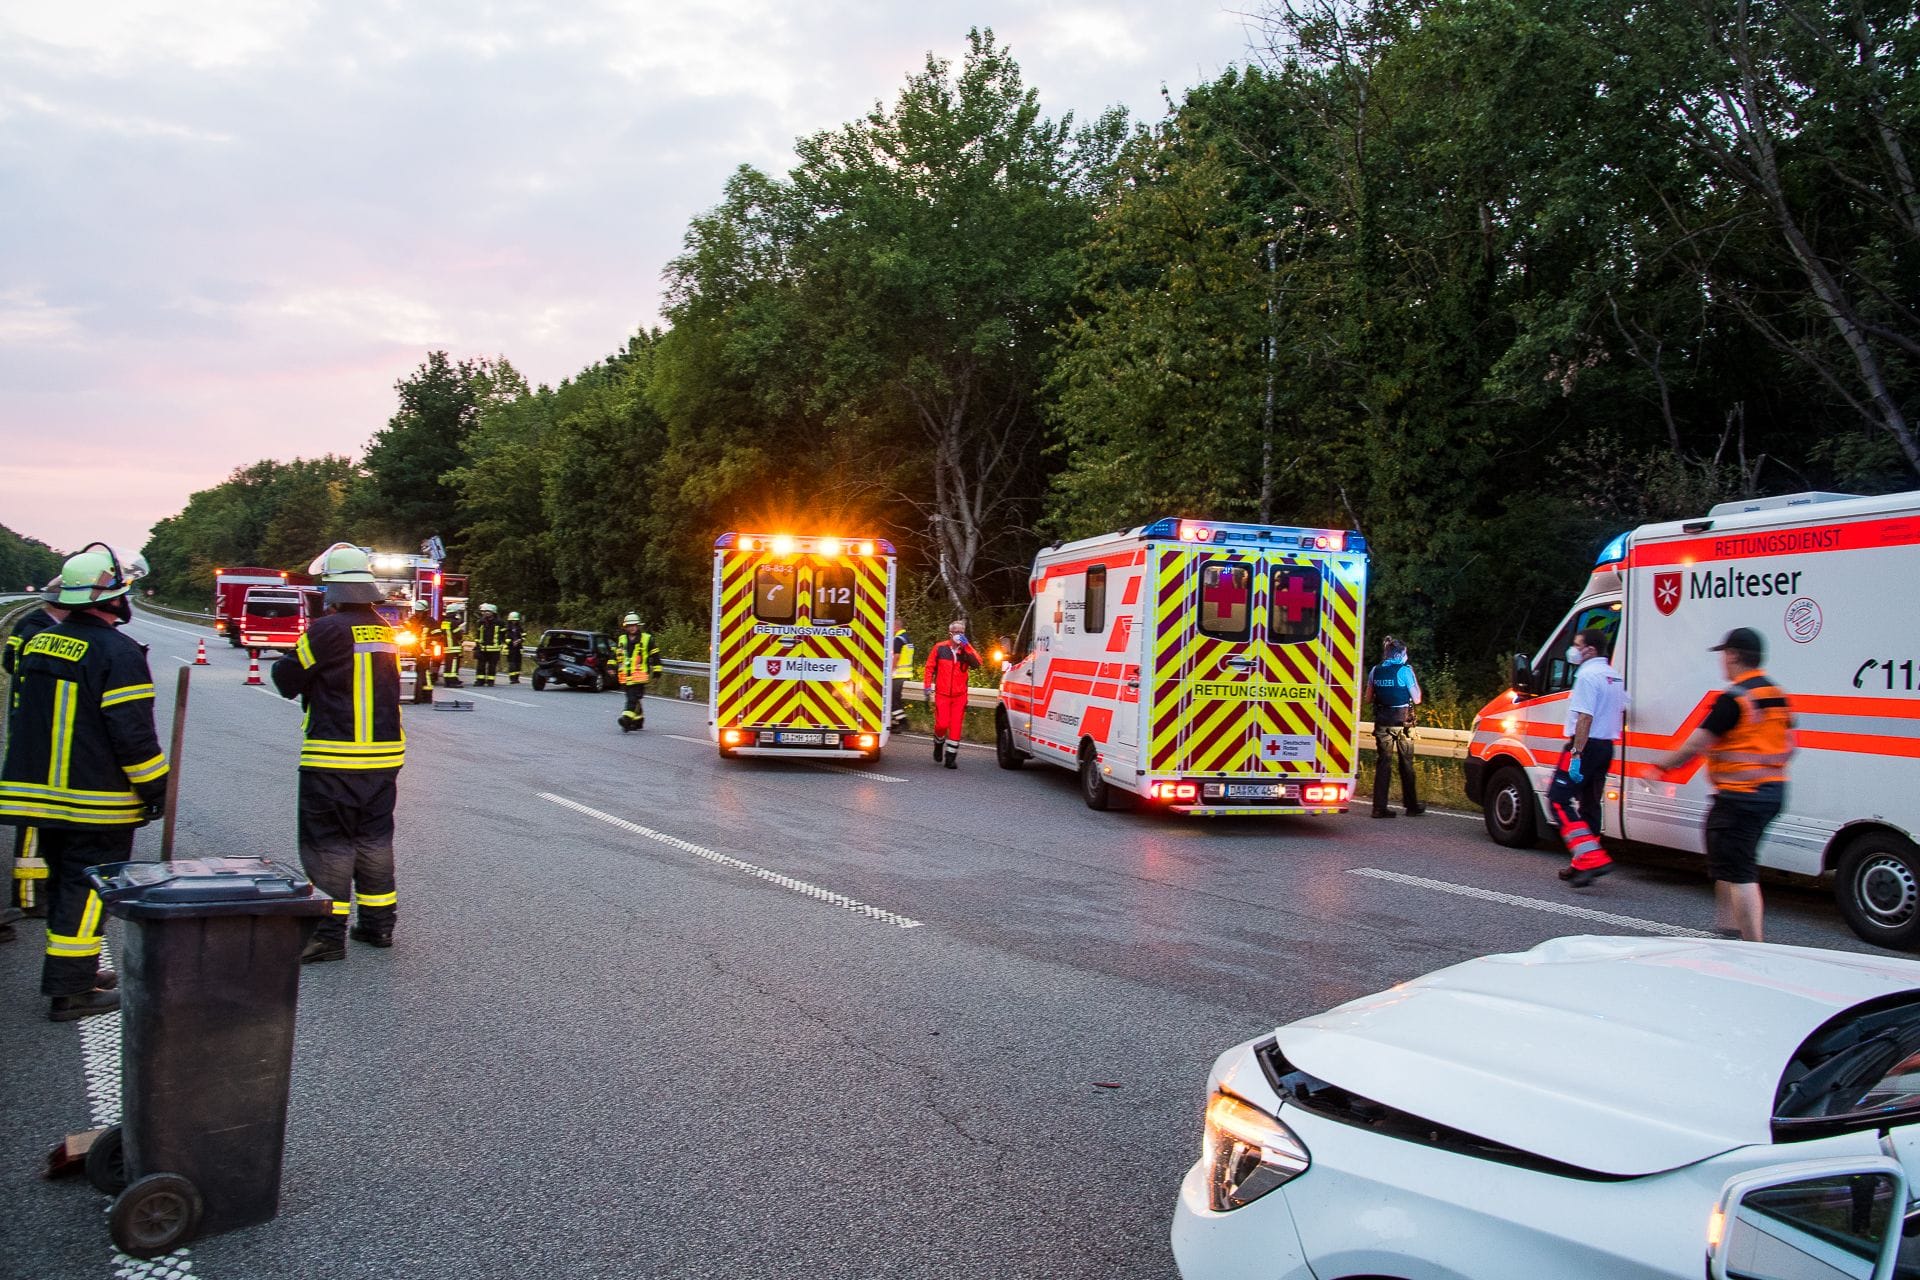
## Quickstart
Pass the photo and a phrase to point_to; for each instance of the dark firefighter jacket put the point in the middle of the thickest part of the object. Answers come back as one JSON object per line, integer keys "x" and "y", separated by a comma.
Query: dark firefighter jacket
{"x": 346, "y": 674}
{"x": 85, "y": 754}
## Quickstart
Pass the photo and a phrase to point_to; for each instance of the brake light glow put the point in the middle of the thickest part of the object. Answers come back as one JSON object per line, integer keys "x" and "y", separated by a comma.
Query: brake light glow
{"x": 1178, "y": 792}
{"x": 1325, "y": 793}
{"x": 865, "y": 742}
{"x": 732, "y": 737}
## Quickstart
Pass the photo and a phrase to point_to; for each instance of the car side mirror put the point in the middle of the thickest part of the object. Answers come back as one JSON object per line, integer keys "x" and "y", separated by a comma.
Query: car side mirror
{"x": 1834, "y": 1217}
{"x": 1522, "y": 673}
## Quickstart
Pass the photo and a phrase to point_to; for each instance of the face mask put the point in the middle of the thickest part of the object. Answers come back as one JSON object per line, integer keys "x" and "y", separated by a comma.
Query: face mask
{"x": 958, "y": 637}
{"x": 1573, "y": 655}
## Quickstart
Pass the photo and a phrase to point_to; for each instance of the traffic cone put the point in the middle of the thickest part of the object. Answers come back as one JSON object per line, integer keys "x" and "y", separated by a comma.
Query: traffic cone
{"x": 200, "y": 655}
{"x": 253, "y": 668}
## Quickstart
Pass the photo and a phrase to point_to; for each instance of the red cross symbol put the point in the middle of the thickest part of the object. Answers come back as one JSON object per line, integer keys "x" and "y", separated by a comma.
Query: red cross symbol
{"x": 1227, "y": 592}
{"x": 1272, "y": 747}
{"x": 1296, "y": 597}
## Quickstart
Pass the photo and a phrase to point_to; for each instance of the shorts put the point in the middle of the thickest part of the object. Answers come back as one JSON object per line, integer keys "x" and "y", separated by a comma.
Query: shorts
{"x": 1735, "y": 824}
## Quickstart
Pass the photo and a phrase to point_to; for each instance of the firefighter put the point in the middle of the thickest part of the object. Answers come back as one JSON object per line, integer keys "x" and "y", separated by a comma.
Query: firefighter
{"x": 489, "y": 642}
{"x": 85, "y": 768}
{"x": 347, "y": 676}
{"x": 947, "y": 669}
{"x": 29, "y": 868}
{"x": 426, "y": 649}
{"x": 637, "y": 664}
{"x": 902, "y": 672}
{"x": 516, "y": 637}
{"x": 453, "y": 636}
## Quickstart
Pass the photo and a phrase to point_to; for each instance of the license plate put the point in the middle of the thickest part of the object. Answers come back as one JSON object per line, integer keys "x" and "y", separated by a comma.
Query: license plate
{"x": 1255, "y": 791}
{"x": 801, "y": 739}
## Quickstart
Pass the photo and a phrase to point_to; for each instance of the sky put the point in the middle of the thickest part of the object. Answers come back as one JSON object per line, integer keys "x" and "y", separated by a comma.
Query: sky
{"x": 228, "y": 227}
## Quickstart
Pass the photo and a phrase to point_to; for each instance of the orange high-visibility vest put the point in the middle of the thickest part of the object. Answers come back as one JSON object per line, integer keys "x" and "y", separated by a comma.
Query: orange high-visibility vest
{"x": 1755, "y": 751}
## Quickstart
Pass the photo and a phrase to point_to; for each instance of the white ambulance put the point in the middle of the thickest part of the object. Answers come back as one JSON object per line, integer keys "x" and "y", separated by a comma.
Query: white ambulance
{"x": 1208, "y": 667}
{"x": 1828, "y": 581}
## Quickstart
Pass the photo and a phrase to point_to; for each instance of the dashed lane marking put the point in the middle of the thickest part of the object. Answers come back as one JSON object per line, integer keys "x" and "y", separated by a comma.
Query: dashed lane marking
{"x": 857, "y": 773}
{"x": 145, "y": 621}
{"x": 681, "y": 737}
{"x": 801, "y": 887}
{"x": 1532, "y": 904}
{"x": 494, "y": 697}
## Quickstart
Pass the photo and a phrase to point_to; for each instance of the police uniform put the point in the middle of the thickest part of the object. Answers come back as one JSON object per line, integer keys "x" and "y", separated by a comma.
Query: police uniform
{"x": 29, "y": 874}
{"x": 1394, "y": 687}
{"x": 84, "y": 769}
{"x": 489, "y": 642}
{"x": 902, "y": 672}
{"x": 346, "y": 674}
{"x": 516, "y": 637}
{"x": 636, "y": 665}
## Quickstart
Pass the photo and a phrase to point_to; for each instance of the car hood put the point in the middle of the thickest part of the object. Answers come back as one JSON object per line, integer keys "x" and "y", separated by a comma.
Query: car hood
{"x": 1623, "y": 1056}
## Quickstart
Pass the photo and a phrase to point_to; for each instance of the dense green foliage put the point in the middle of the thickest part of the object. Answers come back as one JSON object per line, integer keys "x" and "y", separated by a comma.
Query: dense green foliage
{"x": 25, "y": 563}
{"x": 1488, "y": 280}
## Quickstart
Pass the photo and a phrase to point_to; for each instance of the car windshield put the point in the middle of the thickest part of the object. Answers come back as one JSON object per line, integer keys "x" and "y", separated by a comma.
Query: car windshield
{"x": 258, "y": 608}
{"x": 1856, "y": 1071}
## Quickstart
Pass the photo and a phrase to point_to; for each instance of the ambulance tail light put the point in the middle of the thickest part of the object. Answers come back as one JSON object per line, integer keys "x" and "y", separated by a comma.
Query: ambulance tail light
{"x": 865, "y": 742}
{"x": 1325, "y": 793}
{"x": 1174, "y": 792}
{"x": 732, "y": 737}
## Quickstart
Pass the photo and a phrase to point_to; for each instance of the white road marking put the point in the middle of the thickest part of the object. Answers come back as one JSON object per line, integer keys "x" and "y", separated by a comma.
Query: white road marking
{"x": 1532, "y": 904}
{"x": 858, "y": 773}
{"x": 178, "y": 658}
{"x": 681, "y": 737}
{"x": 494, "y": 697}
{"x": 802, "y": 887}
{"x": 145, "y": 621}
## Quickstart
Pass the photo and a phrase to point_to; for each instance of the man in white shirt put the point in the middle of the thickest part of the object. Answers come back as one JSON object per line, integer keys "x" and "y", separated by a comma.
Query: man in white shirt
{"x": 1596, "y": 714}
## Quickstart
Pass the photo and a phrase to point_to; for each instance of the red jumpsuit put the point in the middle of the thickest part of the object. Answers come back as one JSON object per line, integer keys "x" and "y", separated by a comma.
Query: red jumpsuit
{"x": 947, "y": 669}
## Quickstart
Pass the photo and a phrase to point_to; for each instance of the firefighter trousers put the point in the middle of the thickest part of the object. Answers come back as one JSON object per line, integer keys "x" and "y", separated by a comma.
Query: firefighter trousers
{"x": 513, "y": 664}
{"x": 485, "y": 663}
{"x": 74, "y": 915}
{"x": 346, "y": 845}
{"x": 1393, "y": 746}
{"x": 636, "y": 708}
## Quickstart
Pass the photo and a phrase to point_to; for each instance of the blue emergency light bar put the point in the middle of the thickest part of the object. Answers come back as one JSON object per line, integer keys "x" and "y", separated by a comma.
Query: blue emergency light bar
{"x": 786, "y": 544}
{"x": 1214, "y": 531}
{"x": 1614, "y": 551}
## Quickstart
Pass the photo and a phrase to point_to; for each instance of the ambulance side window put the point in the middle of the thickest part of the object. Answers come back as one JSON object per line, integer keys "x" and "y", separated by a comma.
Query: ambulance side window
{"x": 1226, "y": 598}
{"x": 1554, "y": 673}
{"x": 773, "y": 594}
{"x": 1096, "y": 610}
{"x": 833, "y": 594}
{"x": 1296, "y": 604}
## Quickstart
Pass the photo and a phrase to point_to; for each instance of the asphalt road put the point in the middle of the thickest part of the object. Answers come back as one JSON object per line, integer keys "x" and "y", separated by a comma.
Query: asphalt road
{"x": 650, "y": 1013}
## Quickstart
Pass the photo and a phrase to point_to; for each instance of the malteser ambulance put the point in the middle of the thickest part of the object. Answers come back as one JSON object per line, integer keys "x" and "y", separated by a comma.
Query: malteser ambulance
{"x": 802, "y": 631}
{"x": 1207, "y": 667}
{"x": 1828, "y": 581}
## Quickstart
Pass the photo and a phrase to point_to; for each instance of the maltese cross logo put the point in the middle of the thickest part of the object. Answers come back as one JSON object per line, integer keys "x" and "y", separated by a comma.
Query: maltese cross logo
{"x": 1666, "y": 592}
{"x": 773, "y": 667}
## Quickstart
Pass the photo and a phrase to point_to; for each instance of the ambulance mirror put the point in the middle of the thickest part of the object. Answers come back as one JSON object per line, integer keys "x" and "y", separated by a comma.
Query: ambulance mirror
{"x": 1522, "y": 673}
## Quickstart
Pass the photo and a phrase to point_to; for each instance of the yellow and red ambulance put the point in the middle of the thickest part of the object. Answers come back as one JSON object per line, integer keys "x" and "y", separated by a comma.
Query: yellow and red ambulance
{"x": 1821, "y": 577}
{"x": 1201, "y": 665}
{"x": 802, "y": 629}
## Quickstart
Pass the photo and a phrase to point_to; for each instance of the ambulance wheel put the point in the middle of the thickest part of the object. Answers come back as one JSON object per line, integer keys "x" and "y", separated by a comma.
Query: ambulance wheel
{"x": 539, "y": 682}
{"x": 1510, "y": 809}
{"x": 1093, "y": 788}
{"x": 1008, "y": 755}
{"x": 107, "y": 1162}
{"x": 155, "y": 1215}
{"x": 1877, "y": 885}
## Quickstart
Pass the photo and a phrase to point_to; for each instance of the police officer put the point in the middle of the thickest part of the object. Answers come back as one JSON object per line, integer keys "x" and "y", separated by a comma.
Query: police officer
{"x": 636, "y": 665}
{"x": 489, "y": 642}
{"x": 453, "y": 635}
{"x": 902, "y": 672}
{"x": 1394, "y": 691}
{"x": 947, "y": 668}
{"x": 84, "y": 768}
{"x": 1748, "y": 739}
{"x": 346, "y": 673}
{"x": 516, "y": 637}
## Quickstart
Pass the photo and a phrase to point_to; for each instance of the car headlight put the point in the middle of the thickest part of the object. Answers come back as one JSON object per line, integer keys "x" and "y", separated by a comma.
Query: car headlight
{"x": 1248, "y": 1153}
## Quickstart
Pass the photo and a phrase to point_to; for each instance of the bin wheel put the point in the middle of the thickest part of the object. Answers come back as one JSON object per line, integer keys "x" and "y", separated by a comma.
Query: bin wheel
{"x": 155, "y": 1215}
{"x": 107, "y": 1161}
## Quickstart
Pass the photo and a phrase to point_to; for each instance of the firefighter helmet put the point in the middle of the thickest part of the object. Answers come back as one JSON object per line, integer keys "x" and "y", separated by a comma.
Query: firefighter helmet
{"x": 514, "y": 616}
{"x": 347, "y": 574}
{"x": 420, "y": 606}
{"x": 90, "y": 577}
{"x": 488, "y": 608}
{"x": 631, "y": 620}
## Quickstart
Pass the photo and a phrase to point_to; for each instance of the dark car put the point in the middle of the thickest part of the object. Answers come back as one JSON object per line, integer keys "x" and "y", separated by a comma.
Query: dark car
{"x": 577, "y": 659}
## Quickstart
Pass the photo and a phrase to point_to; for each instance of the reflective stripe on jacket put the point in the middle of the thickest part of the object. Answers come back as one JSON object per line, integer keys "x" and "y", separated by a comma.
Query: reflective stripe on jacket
{"x": 636, "y": 661}
{"x": 1756, "y": 750}
{"x": 346, "y": 673}
{"x": 84, "y": 752}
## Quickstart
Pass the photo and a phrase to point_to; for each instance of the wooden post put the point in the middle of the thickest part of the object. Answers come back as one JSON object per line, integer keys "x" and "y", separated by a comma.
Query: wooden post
{"x": 174, "y": 762}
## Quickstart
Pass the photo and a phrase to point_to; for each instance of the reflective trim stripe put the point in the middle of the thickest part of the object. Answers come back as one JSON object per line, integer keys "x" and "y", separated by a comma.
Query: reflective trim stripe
{"x": 65, "y": 948}
{"x": 79, "y": 795}
{"x": 333, "y": 747}
{"x": 90, "y": 917}
{"x": 29, "y": 869}
{"x": 375, "y": 647}
{"x": 51, "y": 811}
{"x": 127, "y": 693}
{"x": 341, "y": 908}
{"x": 363, "y": 697}
{"x": 376, "y": 899}
{"x": 60, "y": 760}
{"x": 147, "y": 770}
{"x": 304, "y": 652}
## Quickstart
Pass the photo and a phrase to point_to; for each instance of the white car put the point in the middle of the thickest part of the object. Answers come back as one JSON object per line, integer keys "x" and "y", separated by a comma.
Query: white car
{"x": 1611, "y": 1107}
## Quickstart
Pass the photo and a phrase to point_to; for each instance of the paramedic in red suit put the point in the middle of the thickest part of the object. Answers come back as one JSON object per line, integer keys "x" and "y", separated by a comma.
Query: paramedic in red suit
{"x": 947, "y": 669}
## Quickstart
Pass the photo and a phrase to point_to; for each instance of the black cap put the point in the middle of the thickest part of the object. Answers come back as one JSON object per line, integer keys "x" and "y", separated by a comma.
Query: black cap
{"x": 1745, "y": 639}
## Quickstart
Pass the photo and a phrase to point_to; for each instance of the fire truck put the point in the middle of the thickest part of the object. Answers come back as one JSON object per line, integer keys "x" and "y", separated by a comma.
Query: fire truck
{"x": 1202, "y": 666}
{"x": 1820, "y": 577}
{"x": 404, "y": 578}
{"x": 801, "y": 645}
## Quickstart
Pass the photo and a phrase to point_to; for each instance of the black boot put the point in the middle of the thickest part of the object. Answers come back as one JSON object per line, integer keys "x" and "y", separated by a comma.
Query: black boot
{"x": 953, "y": 755}
{"x": 320, "y": 950}
{"x": 379, "y": 934}
{"x": 84, "y": 1005}
{"x": 939, "y": 750}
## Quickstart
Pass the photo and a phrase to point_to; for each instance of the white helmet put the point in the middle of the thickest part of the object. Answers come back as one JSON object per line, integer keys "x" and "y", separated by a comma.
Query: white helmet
{"x": 631, "y": 620}
{"x": 514, "y": 616}
{"x": 347, "y": 574}
{"x": 420, "y": 606}
{"x": 487, "y": 608}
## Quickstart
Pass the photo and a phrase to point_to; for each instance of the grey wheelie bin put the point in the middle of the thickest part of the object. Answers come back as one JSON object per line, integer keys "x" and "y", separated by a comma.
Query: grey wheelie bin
{"x": 209, "y": 981}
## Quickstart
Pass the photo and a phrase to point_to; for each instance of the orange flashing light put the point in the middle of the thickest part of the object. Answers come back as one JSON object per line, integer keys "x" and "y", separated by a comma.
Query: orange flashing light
{"x": 865, "y": 742}
{"x": 732, "y": 737}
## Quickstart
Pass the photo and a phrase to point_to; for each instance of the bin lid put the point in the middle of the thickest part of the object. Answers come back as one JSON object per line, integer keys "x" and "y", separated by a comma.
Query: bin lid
{"x": 205, "y": 887}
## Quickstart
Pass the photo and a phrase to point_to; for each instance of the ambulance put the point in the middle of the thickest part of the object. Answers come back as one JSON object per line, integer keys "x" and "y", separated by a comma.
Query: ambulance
{"x": 1828, "y": 581}
{"x": 1201, "y": 666}
{"x": 801, "y": 653}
